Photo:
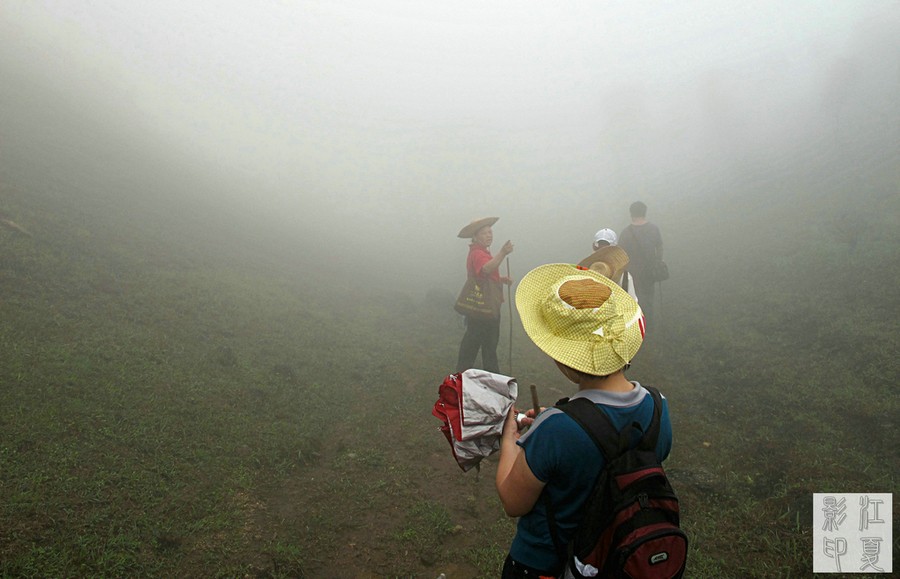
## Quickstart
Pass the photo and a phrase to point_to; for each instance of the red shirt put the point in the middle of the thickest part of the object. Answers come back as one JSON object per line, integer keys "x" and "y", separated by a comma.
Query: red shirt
{"x": 478, "y": 256}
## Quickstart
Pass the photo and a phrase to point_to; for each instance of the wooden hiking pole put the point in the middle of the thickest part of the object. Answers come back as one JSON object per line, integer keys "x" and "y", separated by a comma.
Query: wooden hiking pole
{"x": 509, "y": 302}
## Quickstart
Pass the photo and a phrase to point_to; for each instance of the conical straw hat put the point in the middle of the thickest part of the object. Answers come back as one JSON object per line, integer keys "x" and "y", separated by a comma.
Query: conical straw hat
{"x": 603, "y": 269}
{"x": 471, "y": 229}
{"x": 613, "y": 256}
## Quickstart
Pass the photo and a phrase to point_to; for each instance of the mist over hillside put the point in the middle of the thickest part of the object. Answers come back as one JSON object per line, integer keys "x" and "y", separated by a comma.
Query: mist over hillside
{"x": 795, "y": 126}
{"x": 221, "y": 344}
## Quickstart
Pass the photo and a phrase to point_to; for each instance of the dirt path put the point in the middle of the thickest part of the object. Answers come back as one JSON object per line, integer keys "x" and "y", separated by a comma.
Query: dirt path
{"x": 379, "y": 501}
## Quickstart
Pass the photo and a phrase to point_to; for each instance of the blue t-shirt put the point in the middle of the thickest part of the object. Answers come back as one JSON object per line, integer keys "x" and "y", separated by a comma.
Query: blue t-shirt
{"x": 561, "y": 454}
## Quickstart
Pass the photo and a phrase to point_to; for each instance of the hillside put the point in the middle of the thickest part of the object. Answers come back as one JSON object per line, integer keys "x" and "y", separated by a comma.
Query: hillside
{"x": 188, "y": 390}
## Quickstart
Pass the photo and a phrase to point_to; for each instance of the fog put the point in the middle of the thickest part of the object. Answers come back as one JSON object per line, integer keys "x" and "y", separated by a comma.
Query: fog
{"x": 364, "y": 135}
{"x": 219, "y": 347}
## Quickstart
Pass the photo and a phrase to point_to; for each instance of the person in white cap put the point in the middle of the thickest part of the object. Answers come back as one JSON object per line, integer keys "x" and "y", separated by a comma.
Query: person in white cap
{"x": 607, "y": 238}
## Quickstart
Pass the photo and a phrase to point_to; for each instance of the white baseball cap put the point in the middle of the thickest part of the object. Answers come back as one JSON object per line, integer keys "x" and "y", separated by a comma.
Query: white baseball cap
{"x": 607, "y": 235}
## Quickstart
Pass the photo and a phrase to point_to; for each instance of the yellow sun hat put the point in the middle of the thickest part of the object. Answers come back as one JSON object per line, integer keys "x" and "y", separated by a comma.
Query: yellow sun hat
{"x": 580, "y": 318}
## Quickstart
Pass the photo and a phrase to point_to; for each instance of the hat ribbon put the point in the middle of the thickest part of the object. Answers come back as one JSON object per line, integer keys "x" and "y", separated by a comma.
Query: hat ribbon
{"x": 610, "y": 336}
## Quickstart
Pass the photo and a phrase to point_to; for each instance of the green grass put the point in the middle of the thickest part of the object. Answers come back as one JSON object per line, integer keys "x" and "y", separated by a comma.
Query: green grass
{"x": 168, "y": 412}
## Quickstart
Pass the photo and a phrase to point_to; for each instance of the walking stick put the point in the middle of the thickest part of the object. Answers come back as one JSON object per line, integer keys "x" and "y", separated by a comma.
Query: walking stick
{"x": 509, "y": 302}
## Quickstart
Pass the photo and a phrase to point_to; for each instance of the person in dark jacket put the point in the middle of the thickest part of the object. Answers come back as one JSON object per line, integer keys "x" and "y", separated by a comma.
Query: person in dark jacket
{"x": 643, "y": 243}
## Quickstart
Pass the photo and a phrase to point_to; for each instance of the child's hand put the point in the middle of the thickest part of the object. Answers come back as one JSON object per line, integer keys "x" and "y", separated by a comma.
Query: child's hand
{"x": 511, "y": 426}
{"x": 526, "y": 418}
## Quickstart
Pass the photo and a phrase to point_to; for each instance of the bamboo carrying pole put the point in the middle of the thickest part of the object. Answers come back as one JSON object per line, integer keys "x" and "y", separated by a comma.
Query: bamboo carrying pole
{"x": 509, "y": 302}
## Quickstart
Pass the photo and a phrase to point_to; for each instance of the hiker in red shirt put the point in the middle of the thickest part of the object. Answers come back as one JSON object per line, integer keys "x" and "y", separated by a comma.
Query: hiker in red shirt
{"x": 483, "y": 332}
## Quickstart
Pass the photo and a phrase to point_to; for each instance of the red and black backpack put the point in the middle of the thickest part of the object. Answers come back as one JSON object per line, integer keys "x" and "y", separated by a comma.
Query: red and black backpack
{"x": 630, "y": 526}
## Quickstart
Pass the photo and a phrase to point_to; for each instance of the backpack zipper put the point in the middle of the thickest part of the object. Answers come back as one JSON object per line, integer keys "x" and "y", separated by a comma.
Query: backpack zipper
{"x": 643, "y": 500}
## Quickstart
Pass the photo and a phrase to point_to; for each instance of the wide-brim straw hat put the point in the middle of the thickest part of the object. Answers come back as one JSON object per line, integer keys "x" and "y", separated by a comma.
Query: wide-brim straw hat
{"x": 613, "y": 256}
{"x": 471, "y": 229}
{"x": 580, "y": 318}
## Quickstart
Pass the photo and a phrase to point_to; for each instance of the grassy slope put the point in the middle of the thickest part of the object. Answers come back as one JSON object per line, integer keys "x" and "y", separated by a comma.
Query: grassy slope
{"x": 166, "y": 411}
{"x": 782, "y": 361}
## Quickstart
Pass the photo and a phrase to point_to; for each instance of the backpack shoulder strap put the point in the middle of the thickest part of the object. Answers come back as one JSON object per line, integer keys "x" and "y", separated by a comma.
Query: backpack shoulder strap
{"x": 470, "y": 267}
{"x": 643, "y": 247}
{"x": 606, "y": 437}
{"x": 651, "y": 435}
{"x": 596, "y": 424}
{"x": 609, "y": 441}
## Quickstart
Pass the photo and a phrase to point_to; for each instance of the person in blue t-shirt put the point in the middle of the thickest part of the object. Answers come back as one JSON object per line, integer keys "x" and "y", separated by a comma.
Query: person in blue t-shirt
{"x": 592, "y": 329}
